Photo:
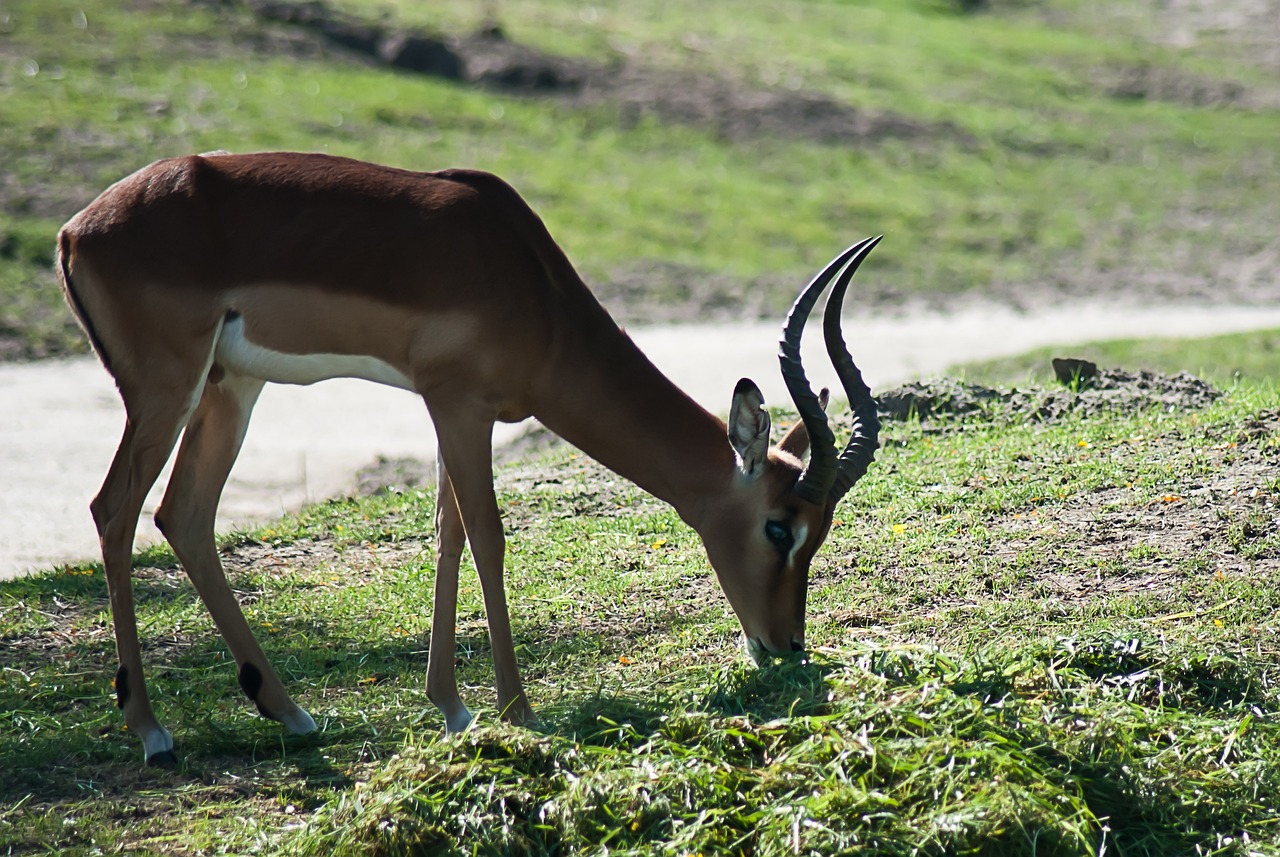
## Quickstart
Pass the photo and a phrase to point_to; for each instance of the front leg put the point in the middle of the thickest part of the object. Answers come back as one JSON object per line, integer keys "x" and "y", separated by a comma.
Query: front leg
{"x": 466, "y": 452}
{"x": 451, "y": 538}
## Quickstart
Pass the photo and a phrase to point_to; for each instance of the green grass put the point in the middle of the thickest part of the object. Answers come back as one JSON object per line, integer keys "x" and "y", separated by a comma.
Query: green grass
{"x": 1028, "y": 638}
{"x": 1222, "y": 360}
{"x": 1043, "y": 177}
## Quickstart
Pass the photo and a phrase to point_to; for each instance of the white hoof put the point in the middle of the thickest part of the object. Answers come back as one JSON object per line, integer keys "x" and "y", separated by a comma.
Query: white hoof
{"x": 298, "y": 722}
{"x": 157, "y": 744}
{"x": 457, "y": 721}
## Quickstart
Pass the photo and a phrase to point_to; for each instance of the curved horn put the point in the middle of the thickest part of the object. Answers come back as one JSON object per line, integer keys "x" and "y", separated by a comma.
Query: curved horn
{"x": 852, "y": 464}
{"x": 816, "y": 482}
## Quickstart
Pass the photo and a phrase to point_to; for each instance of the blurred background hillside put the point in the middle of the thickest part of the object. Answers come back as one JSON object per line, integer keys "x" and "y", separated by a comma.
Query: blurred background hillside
{"x": 698, "y": 160}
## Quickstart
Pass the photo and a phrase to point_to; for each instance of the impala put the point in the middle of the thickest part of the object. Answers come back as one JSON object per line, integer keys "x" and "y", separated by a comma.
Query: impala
{"x": 199, "y": 279}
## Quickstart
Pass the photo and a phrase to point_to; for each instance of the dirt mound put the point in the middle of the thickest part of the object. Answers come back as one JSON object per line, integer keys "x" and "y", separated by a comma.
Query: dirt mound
{"x": 1099, "y": 391}
{"x": 735, "y": 111}
{"x": 731, "y": 109}
{"x": 1149, "y": 82}
{"x": 399, "y": 474}
{"x": 395, "y": 475}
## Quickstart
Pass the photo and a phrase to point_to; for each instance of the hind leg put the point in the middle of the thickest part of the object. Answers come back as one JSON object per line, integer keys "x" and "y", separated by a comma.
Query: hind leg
{"x": 154, "y": 417}
{"x": 186, "y": 517}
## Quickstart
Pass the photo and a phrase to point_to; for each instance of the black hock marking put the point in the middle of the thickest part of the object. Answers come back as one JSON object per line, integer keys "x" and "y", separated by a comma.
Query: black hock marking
{"x": 121, "y": 684}
{"x": 216, "y": 374}
{"x": 251, "y": 682}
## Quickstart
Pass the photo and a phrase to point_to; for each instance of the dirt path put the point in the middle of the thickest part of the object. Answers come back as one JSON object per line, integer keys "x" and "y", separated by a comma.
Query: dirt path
{"x": 60, "y": 421}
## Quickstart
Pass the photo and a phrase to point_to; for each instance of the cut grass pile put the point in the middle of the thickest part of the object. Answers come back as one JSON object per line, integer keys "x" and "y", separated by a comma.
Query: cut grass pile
{"x": 1052, "y": 638}
{"x": 1036, "y": 148}
{"x": 1060, "y": 748}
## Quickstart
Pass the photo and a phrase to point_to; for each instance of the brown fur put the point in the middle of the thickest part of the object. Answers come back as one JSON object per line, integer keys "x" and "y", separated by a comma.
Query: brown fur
{"x": 450, "y": 279}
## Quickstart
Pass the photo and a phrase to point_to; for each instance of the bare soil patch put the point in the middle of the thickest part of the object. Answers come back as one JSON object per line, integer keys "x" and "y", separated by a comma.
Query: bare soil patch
{"x": 1217, "y": 519}
{"x": 1151, "y": 82}
{"x": 1248, "y": 26}
{"x": 1228, "y": 521}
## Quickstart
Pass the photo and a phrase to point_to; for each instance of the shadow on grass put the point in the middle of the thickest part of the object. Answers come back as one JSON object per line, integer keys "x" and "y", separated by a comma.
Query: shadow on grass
{"x": 57, "y": 693}
{"x": 63, "y": 739}
{"x": 60, "y": 729}
{"x": 608, "y": 719}
{"x": 783, "y": 687}
{"x": 1191, "y": 679}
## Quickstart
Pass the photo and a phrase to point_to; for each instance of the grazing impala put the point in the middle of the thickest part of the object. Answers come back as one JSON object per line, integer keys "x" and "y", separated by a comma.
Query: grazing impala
{"x": 200, "y": 279}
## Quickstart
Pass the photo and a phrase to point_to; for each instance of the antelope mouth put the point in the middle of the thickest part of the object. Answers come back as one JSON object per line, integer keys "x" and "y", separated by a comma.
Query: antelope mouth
{"x": 762, "y": 654}
{"x": 758, "y": 651}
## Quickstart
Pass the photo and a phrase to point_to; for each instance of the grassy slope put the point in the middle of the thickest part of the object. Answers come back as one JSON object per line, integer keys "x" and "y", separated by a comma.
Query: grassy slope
{"x": 1222, "y": 360}
{"x": 1050, "y": 179}
{"x": 1015, "y": 653}
{"x": 1029, "y": 638}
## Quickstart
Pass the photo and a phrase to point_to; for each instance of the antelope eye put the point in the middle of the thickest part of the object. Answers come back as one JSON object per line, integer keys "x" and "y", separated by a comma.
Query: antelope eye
{"x": 779, "y": 534}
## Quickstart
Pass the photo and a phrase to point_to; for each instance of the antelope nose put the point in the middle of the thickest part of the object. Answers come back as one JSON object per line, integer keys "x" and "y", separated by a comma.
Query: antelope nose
{"x": 797, "y": 646}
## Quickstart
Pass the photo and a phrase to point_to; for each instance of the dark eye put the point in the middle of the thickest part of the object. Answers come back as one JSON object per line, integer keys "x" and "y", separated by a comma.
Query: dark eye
{"x": 780, "y": 535}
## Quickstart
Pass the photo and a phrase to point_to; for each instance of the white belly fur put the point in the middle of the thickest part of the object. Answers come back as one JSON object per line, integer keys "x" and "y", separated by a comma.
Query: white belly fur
{"x": 237, "y": 354}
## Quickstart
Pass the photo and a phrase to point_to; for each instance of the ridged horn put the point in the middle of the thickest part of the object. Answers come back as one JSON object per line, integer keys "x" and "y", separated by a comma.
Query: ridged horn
{"x": 852, "y": 464}
{"x": 816, "y": 482}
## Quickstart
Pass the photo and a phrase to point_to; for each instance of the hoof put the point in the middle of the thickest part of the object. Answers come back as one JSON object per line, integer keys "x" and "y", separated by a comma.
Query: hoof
{"x": 521, "y": 715}
{"x": 457, "y": 721}
{"x": 299, "y": 722}
{"x": 163, "y": 759}
{"x": 157, "y": 748}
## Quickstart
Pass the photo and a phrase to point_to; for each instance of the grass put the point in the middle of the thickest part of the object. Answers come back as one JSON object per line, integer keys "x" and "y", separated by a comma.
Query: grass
{"x": 1028, "y": 638}
{"x": 891, "y": 750}
{"x": 1028, "y": 169}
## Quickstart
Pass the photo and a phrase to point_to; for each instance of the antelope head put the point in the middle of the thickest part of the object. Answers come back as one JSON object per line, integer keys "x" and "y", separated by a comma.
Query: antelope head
{"x": 776, "y": 514}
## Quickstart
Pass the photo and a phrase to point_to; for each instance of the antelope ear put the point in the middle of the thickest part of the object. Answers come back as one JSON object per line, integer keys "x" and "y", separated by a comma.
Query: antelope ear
{"x": 796, "y": 440}
{"x": 749, "y": 428}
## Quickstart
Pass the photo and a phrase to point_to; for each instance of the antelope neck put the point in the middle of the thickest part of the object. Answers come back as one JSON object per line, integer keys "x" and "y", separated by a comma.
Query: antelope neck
{"x": 611, "y": 402}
